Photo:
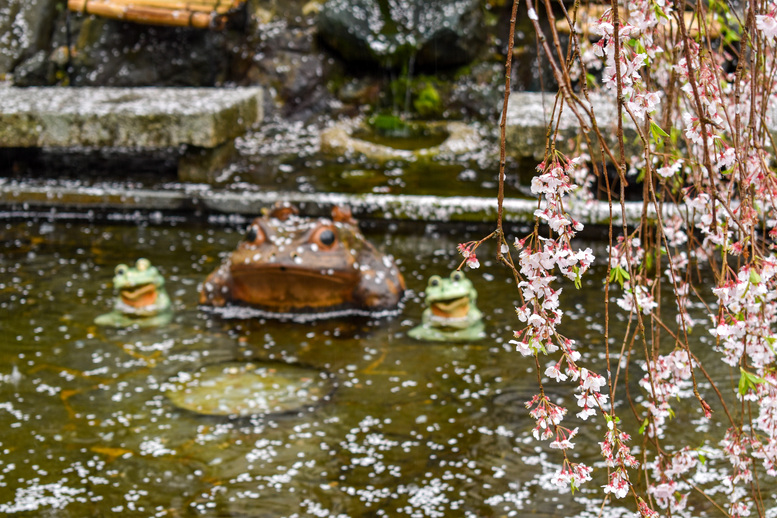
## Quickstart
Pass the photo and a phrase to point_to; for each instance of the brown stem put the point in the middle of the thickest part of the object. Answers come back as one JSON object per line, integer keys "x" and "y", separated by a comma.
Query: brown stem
{"x": 503, "y": 133}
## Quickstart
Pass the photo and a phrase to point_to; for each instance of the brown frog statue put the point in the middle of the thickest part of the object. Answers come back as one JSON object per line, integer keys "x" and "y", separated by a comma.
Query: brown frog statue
{"x": 292, "y": 264}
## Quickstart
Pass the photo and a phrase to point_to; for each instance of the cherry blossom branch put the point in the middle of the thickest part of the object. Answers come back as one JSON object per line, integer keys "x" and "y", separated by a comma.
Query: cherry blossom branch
{"x": 503, "y": 131}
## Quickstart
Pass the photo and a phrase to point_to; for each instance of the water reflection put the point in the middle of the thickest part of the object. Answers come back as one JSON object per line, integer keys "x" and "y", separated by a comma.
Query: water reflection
{"x": 413, "y": 429}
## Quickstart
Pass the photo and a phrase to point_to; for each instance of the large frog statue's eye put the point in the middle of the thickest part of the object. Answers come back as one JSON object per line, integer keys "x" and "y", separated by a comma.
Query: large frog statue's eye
{"x": 121, "y": 269}
{"x": 324, "y": 237}
{"x": 434, "y": 281}
{"x": 255, "y": 235}
{"x": 142, "y": 264}
{"x": 457, "y": 276}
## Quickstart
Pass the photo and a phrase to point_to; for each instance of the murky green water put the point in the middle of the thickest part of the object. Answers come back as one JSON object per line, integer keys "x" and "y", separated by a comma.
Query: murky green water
{"x": 403, "y": 138}
{"x": 286, "y": 157}
{"x": 413, "y": 429}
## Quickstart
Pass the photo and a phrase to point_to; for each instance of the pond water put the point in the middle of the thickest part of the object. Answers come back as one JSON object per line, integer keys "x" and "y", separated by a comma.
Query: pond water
{"x": 407, "y": 137}
{"x": 412, "y": 429}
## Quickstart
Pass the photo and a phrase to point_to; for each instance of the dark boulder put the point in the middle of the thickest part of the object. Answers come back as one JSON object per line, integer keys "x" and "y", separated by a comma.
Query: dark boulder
{"x": 115, "y": 53}
{"x": 25, "y": 28}
{"x": 87, "y": 50}
{"x": 435, "y": 33}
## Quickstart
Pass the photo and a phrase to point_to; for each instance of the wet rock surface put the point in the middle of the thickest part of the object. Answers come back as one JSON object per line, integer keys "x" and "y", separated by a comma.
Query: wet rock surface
{"x": 529, "y": 113}
{"x": 107, "y": 52}
{"x": 25, "y": 27}
{"x": 284, "y": 55}
{"x": 137, "y": 118}
{"x": 431, "y": 32}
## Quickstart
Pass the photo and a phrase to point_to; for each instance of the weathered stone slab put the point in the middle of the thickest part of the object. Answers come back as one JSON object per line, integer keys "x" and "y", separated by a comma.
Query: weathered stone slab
{"x": 126, "y": 117}
{"x": 63, "y": 197}
{"x": 529, "y": 116}
{"x": 528, "y": 119}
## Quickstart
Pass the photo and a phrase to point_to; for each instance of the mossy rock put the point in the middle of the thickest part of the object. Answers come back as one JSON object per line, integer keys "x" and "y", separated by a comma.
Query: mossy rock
{"x": 434, "y": 33}
{"x": 242, "y": 389}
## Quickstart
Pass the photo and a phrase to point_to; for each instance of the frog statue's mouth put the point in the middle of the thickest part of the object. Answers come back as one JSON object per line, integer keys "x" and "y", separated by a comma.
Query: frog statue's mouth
{"x": 451, "y": 308}
{"x": 286, "y": 288}
{"x": 139, "y": 296}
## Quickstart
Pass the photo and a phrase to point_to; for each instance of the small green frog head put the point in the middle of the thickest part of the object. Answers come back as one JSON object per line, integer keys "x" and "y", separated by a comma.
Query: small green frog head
{"x": 450, "y": 313}
{"x": 141, "y": 297}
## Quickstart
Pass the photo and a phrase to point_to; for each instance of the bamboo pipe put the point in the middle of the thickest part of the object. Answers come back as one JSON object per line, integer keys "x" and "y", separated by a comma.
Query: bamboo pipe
{"x": 152, "y": 16}
{"x": 201, "y": 6}
{"x": 148, "y": 15}
{"x": 158, "y": 16}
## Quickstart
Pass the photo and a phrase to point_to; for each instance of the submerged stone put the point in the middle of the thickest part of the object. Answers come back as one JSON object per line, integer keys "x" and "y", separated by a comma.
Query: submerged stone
{"x": 350, "y": 137}
{"x": 242, "y": 389}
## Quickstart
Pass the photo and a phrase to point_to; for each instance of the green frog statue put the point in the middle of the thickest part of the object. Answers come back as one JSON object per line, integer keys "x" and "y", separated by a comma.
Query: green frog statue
{"x": 141, "y": 297}
{"x": 450, "y": 314}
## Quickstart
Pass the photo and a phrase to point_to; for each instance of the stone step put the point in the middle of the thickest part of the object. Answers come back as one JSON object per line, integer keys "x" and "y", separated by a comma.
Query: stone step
{"x": 203, "y": 120}
{"x": 59, "y": 197}
{"x": 529, "y": 115}
{"x": 528, "y": 119}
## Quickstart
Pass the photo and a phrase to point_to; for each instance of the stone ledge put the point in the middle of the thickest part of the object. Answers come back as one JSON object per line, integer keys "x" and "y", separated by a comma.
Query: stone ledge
{"x": 528, "y": 117}
{"x": 148, "y": 117}
{"x": 24, "y": 196}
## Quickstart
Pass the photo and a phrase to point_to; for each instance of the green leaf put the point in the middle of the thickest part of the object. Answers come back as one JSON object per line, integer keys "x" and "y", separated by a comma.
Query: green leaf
{"x": 754, "y": 277}
{"x": 637, "y": 45}
{"x": 742, "y": 388}
{"x": 748, "y": 381}
{"x": 770, "y": 342}
{"x": 702, "y": 459}
{"x": 644, "y": 426}
{"x": 656, "y": 130}
{"x": 578, "y": 281}
{"x": 619, "y": 275}
{"x": 660, "y": 12}
{"x": 718, "y": 6}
